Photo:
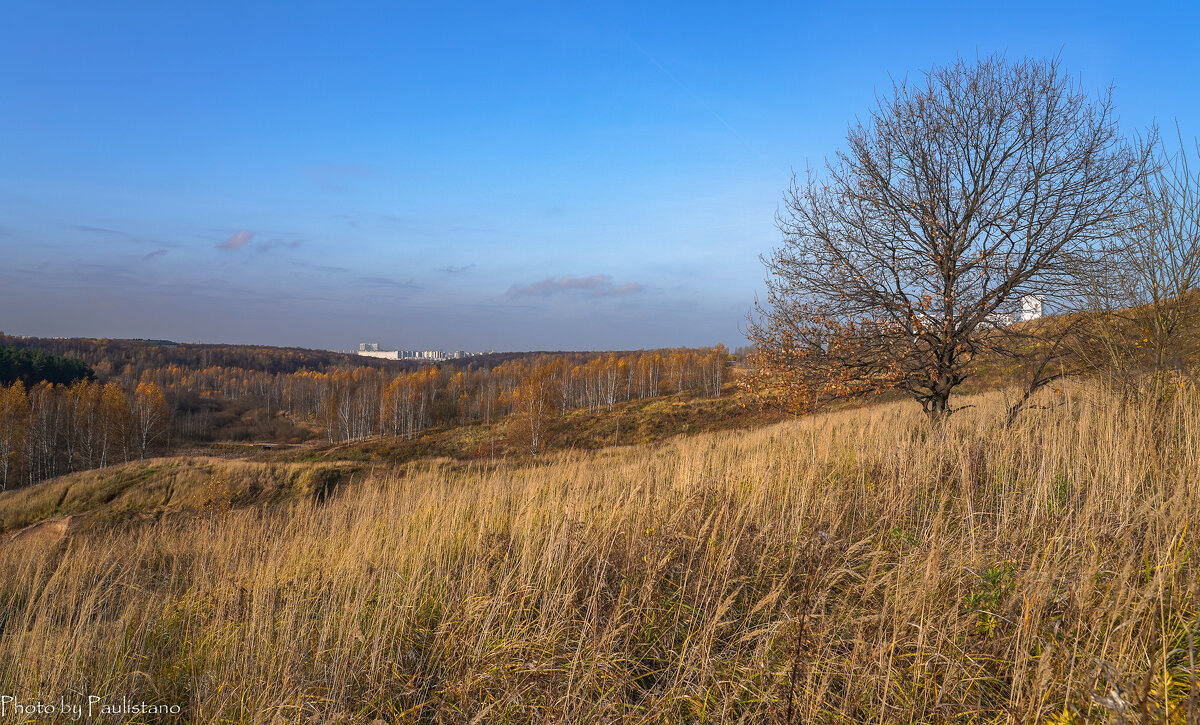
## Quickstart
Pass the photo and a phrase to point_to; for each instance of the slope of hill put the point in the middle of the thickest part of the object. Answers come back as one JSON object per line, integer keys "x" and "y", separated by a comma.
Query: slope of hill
{"x": 854, "y": 566}
{"x": 256, "y": 474}
{"x": 162, "y": 487}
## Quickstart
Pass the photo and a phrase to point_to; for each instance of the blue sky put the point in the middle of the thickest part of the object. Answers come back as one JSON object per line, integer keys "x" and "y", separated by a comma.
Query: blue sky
{"x": 464, "y": 175}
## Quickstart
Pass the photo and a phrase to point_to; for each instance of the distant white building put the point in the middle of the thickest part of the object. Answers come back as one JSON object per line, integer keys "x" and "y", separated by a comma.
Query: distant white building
{"x": 1031, "y": 307}
{"x": 371, "y": 349}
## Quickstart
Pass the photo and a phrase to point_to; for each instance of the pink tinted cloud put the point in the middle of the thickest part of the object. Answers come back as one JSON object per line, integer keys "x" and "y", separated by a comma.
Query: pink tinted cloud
{"x": 237, "y": 240}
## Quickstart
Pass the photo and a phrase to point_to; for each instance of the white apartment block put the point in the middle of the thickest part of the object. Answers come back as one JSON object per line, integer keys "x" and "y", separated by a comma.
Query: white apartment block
{"x": 371, "y": 349}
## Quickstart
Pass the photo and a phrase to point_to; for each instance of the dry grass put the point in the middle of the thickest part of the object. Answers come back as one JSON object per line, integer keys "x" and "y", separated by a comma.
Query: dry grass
{"x": 973, "y": 574}
{"x": 160, "y": 487}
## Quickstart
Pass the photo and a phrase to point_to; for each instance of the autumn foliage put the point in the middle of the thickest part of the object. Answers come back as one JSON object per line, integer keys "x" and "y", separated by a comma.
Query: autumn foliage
{"x": 140, "y": 407}
{"x": 52, "y": 429}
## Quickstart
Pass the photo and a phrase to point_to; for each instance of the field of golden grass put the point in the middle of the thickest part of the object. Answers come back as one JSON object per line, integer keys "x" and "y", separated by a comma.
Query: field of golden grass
{"x": 857, "y": 566}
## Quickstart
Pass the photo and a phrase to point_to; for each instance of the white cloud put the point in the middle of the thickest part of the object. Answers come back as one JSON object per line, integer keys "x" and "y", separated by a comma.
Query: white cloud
{"x": 598, "y": 285}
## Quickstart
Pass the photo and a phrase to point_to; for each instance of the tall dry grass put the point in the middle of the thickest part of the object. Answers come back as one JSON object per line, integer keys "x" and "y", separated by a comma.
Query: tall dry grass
{"x": 850, "y": 567}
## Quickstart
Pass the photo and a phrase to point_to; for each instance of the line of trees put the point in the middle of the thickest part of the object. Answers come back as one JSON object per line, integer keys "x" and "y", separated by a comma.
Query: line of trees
{"x": 127, "y": 358}
{"x": 33, "y": 366}
{"x": 52, "y": 429}
{"x": 1146, "y": 290}
{"x": 363, "y": 402}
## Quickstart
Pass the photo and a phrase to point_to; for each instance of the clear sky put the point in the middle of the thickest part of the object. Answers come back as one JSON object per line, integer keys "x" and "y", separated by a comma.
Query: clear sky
{"x": 456, "y": 175}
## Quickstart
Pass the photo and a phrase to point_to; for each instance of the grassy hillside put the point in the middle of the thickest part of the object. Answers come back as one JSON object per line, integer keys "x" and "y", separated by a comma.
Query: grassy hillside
{"x": 234, "y": 474}
{"x": 166, "y": 486}
{"x": 855, "y": 566}
{"x": 628, "y": 423}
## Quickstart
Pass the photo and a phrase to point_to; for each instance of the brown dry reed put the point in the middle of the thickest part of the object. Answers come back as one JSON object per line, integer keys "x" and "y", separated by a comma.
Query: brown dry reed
{"x": 857, "y": 566}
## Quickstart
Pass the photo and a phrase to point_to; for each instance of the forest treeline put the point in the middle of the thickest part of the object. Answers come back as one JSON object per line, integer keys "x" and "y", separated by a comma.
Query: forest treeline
{"x": 51, "y": 429}
{"x": 31, "y": 366}
{"x": 127, "y": 358}
{"x": 350, "y": 403}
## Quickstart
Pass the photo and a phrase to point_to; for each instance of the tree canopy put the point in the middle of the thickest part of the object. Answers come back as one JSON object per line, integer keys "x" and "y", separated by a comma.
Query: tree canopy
{"x": 960, "y": 195}
{"x": 31, "y": 367}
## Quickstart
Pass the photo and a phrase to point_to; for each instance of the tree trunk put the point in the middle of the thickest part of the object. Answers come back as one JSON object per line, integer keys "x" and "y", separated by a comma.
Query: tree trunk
{"x": 937, "y": 404}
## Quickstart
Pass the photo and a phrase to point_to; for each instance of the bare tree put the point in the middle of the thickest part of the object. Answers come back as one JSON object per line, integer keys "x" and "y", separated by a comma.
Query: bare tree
{"x": 1148, "y": 288}
{"x": 959, "y": 196}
